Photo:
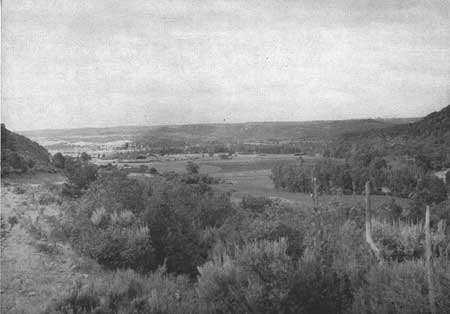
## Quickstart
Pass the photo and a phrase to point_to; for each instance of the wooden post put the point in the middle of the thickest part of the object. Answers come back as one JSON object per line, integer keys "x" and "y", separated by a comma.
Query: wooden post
{"x": 368, "y": 220}
{"x": 315, "y": 197}
{"x": 431, "y": 296}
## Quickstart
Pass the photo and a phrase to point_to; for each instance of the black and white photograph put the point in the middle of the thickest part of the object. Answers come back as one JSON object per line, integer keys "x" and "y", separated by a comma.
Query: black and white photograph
{"x": 225, "y": 157}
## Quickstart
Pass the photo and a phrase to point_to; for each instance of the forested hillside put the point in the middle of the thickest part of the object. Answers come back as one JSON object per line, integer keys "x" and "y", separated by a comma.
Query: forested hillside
{"x": 428, "y": 137}
{"x": 265, "y": 131}
{"x": 20, "y": 154}
{"x": 308, "y": 137}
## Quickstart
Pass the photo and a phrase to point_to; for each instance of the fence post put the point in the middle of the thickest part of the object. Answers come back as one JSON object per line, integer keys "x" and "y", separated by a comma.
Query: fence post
{"x": 368, "y": 220}
{"x": 431, "y": 297}
{"x": 315, "y": 197}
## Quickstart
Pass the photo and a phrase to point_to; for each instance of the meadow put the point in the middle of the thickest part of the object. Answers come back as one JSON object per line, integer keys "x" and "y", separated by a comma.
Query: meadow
{"x": 251, "y": 175}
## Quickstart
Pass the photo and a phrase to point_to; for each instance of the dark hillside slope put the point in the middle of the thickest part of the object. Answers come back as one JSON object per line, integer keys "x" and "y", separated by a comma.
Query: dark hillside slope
{"x": 20, "y": 154}
{"x": 428, "y": 137}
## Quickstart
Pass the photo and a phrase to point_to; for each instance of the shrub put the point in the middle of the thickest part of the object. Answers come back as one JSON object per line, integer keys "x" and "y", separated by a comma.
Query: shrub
{"x": 192, "y": 168}
{"x": 402, "y": 288}
{"x": 15, "y": 161}
{"x": 262, "y": 278}
{"x": 403, "y": 241}
{"x": 255, "y": 204}
{"x": 115, "y": 192}
{"x": 80, "y": 174}
{"x": 115, "y": 247}
{"x": 130, "y": 293}
{"x": 47, "y": 199}
{"x": 318, "y": 289}
{"x": 19, "y": 190}
{"x": 12, "y": 220}
{"x": 431, "y": 190}
{"x": 400, "y": 241}
{"x": 255, "y": 280}
{"x": 85, "y": 157}
{"x": 58, "y": 160}
{"x": 71, "y": 190}
{"x": 47, "y": 248}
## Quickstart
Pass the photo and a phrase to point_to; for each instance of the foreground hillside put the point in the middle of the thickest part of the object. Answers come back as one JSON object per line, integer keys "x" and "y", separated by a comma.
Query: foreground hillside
{"x": 20, "y": 154}
{"x": 35, "y": 267}
{"x": 429, "y": 137}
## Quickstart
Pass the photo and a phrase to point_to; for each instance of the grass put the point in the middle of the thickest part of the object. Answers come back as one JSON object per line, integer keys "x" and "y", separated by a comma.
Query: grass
{"x": 248, "y": 162}
{"x": 258, "y": 183}
{"x": 250, "y": 174}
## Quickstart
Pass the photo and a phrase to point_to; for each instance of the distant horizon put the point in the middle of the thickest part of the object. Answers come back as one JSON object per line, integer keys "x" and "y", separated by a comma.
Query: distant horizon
{"x": 216, "y": 123}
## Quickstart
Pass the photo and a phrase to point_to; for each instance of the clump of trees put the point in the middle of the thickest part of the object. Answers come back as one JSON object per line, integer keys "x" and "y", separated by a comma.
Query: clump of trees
{"x": 79, "y": 171}
{"x": 297, "y": 176}
{"x": 407, "y": 181}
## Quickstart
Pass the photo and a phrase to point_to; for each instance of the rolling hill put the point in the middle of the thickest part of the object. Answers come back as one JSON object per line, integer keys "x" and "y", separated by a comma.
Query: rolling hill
{"x": 258, "y": 132}
{"x": 429, "y": 136}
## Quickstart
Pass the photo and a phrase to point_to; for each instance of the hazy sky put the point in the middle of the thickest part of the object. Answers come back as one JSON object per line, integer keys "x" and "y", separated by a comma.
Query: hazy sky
{"x": 76, "y": 63}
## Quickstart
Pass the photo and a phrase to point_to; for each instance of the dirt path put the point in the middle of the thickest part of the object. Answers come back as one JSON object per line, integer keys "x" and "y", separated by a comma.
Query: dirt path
{"x": 35, "y": 269}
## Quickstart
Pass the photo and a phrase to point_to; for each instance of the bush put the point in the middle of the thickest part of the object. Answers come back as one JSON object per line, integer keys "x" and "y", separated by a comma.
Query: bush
{"x": 255, "y": 280}
{"x": 401, "y": 241}
{"x": 85, "y": 157}
{"x": 80, "y": 175}
{"x": 47, "y": 199}
{"x": 318, "y": 289}
{"x": 115, "y": 192}
{"x": 13, "y": 220}
{"x": 47, "y": 248}
{"x": 402, "y": 288}
{"x": 19, "y": 190}
{"x": 262, "y": 278}
{"x": 192, "y": 168}
{"x": 14, "y": 161}
{"x": 431, "y": 190}
{"x": 58, "y": 160}
{"x": 129, "y": 293}
{"x": 111, "y": 245}
{"x": 255, "y": 204}
{"x": 71, "y": 190}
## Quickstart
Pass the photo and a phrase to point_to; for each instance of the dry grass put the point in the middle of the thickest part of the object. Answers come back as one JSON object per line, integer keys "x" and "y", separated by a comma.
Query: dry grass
{"x": 33, "y": 271}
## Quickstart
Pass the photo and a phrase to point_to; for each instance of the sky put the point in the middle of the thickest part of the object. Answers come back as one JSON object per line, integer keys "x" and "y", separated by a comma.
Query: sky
{"x": 84, "y": 63}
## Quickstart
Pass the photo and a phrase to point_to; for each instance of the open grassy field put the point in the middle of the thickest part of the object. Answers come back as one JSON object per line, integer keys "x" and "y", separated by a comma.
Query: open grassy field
{"x": 250, "y": 174}
{"x": 209, "y": 165}
{"x": 258, "y": 183}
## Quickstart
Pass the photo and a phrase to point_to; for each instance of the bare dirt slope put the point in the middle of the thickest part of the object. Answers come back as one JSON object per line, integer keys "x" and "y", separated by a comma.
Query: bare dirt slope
{"x": 36, "y": 267}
